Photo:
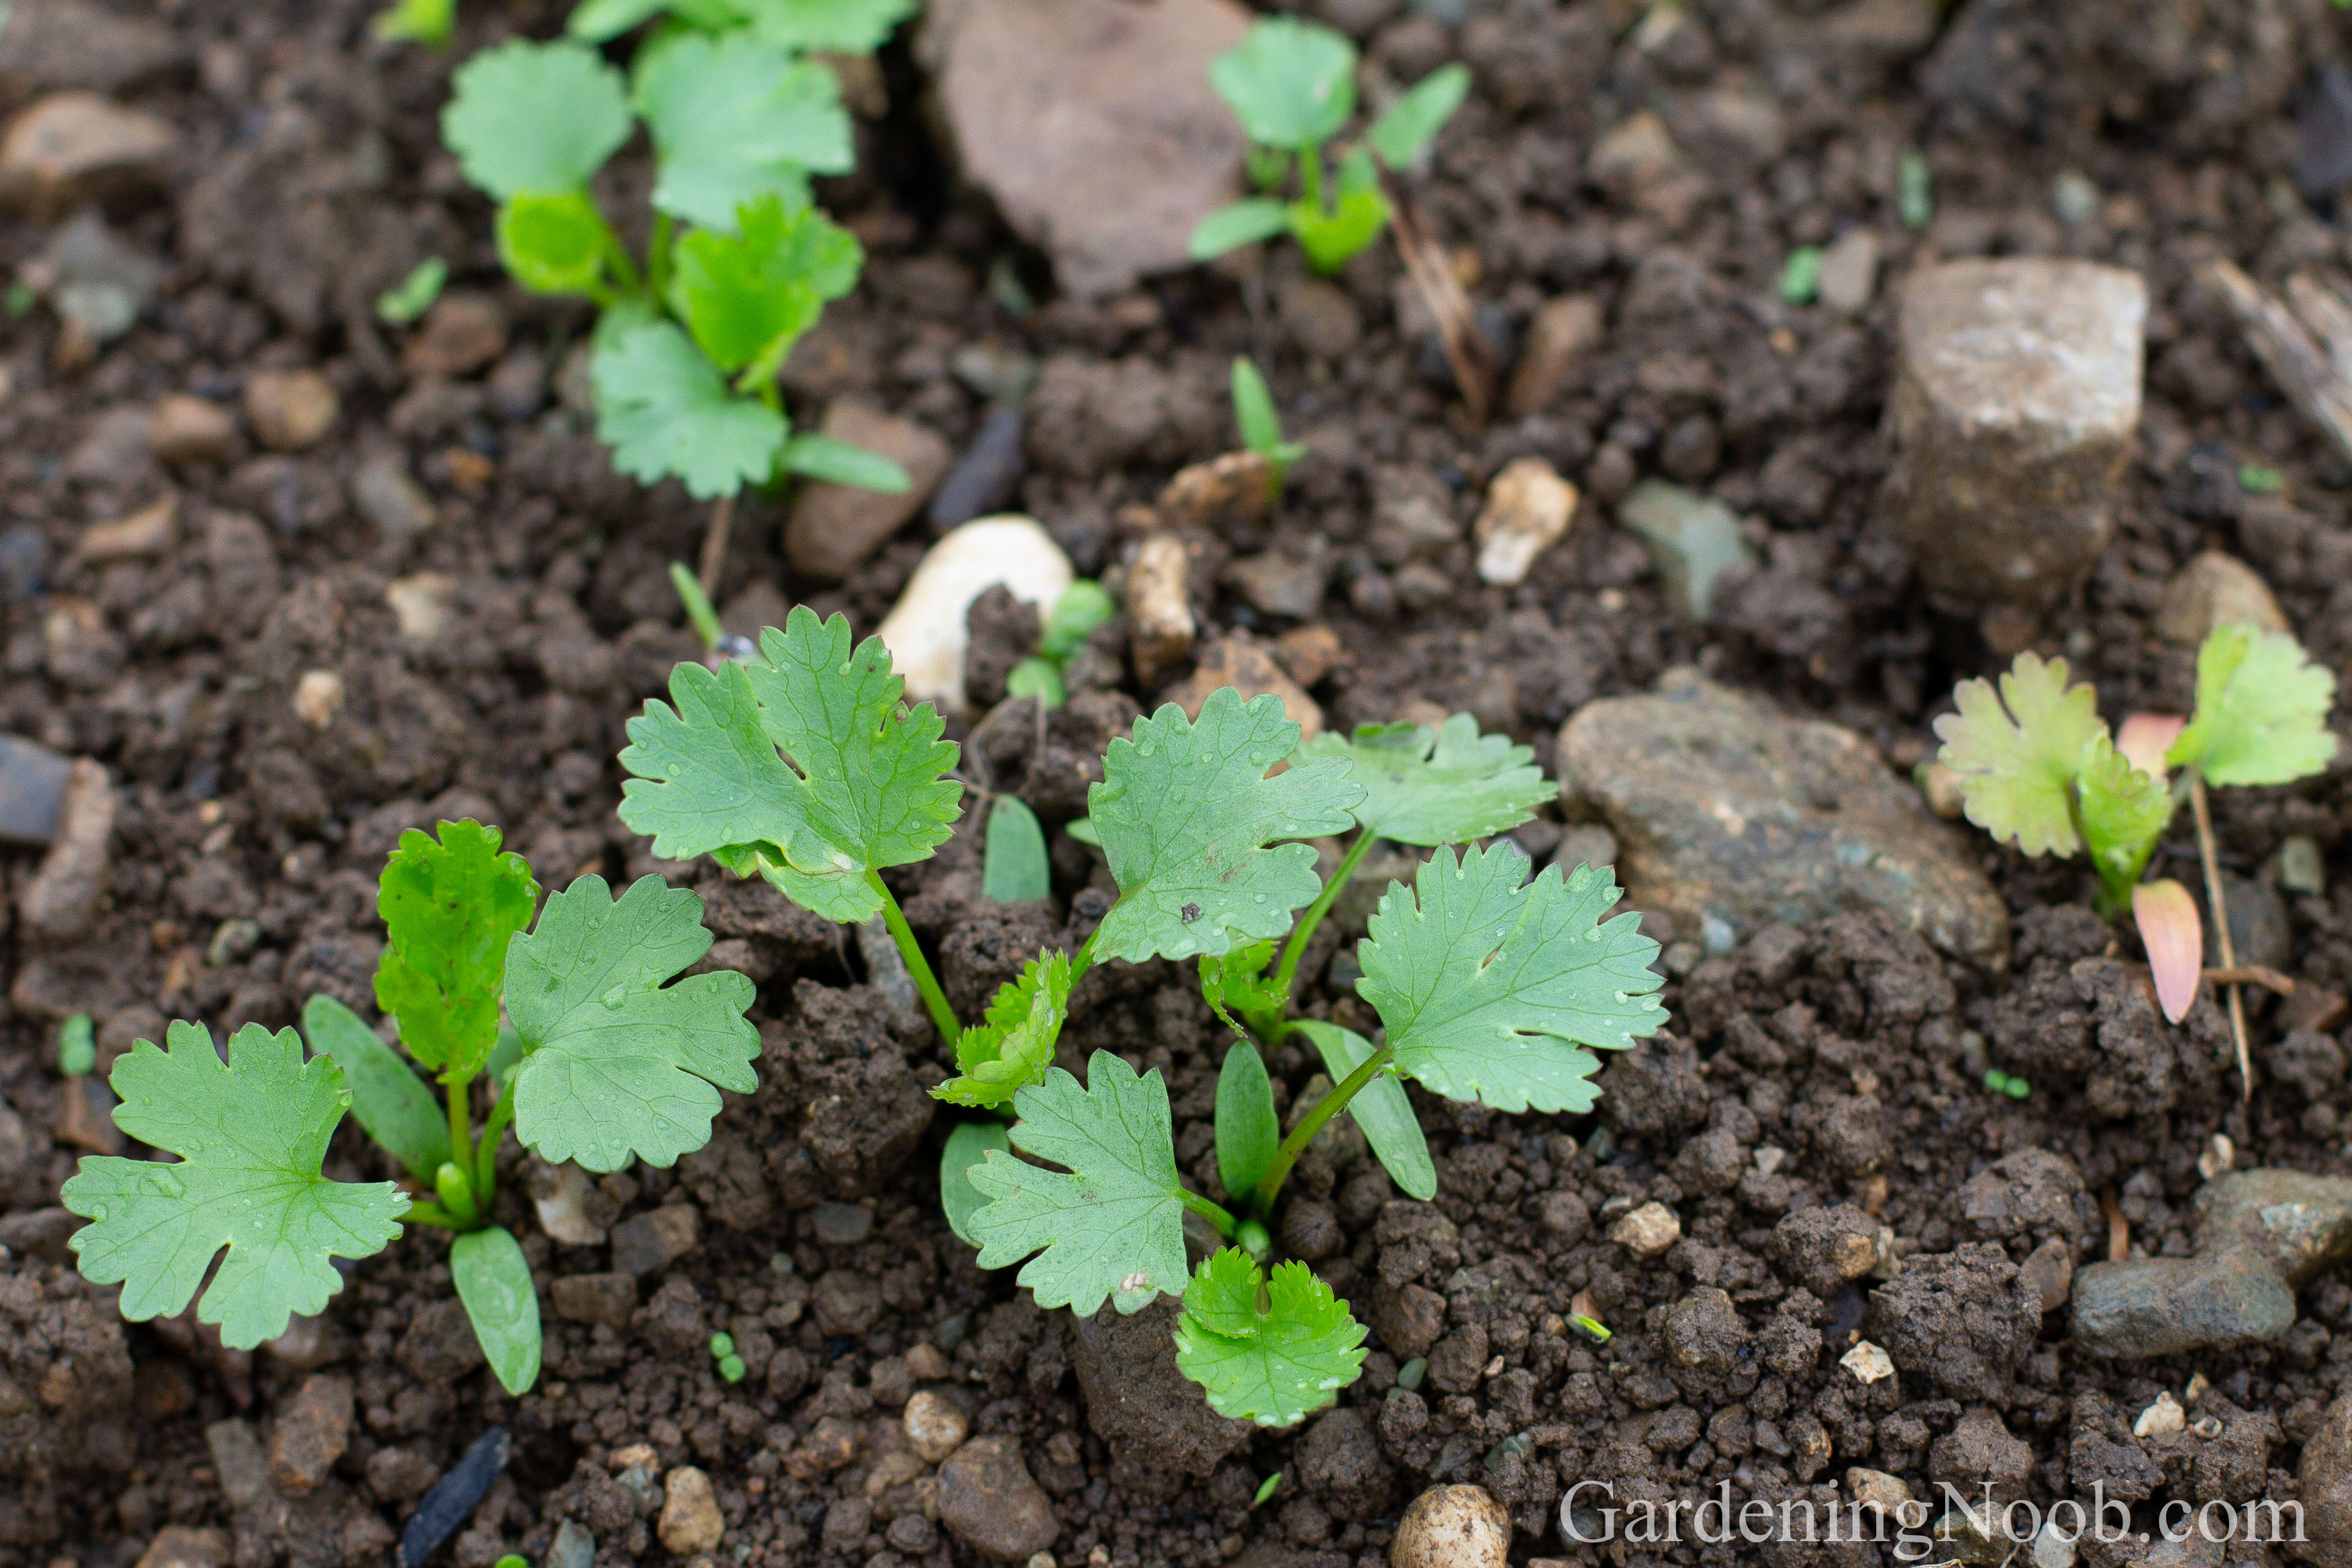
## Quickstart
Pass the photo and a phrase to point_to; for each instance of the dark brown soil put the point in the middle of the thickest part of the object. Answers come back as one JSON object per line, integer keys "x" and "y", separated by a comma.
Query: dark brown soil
{"x": 309, "y": 176}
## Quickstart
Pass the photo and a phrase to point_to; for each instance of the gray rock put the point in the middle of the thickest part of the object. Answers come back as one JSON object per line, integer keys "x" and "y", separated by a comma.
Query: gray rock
{"x": 607, "y": 1299}
{"x": 1320, "y": 316}
{"x": 988, "y": 1498}
{"x": 573, "y": 1547}
{"x": 62, "y": 899}
{"x": 1561, "y": 336}
{"x": 1979, "y": 1452}
{"x": 238, "y": 1461}
{"x": 1276, "y": 584}
{"x": 988, "y": 475}
{"x": 1157, "y": 1422}
{"x": 69, "y": 148}
{"x": 440, "y": 1345}
{"x": 834, "y": 528}
{"x": 1693, "y": 540}
{"x": 395, "y": 504}
{"x": 1092, "y": 124}
{"x": 32, "y": 790}
{"x": 2324, "y": 1484}
{"x": 2215, "y": 590}
{"x": 50, "y": 44}
{"x": 843, "y": 1225}
{"x": 1849, "y": 274}
{"x": 96, "y": 280}
{"x": 2261, "y": 1236}
{"x": 1724, "y": 811}
{"x": 2016, "y": 398}
{"x": 313, "y": 1430}
{"x": 656, "y": 1239}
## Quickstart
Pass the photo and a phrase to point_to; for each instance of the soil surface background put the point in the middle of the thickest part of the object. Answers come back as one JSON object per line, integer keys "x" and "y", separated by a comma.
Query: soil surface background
{"x": 308, "y": 176}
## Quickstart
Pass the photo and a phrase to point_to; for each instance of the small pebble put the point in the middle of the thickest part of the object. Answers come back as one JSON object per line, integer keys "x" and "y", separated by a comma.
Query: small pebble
{"x": 291, "y": 409}
{"x": 573, "y": 1547}
{"x": 936, "y": 1426}
{"x": 319, "y": 697}
{"x": 690, "y": 1519}
{"x": 1452, "y": 1527}
{"x": 1647, "y": 1231}
{"x": 453, "y": 1497}
{"x": 1867, "y": 1362}
{"x": 843, "y": 1225}
{"x": 2162, "y": 1418}
{"x": 32, "y": 790}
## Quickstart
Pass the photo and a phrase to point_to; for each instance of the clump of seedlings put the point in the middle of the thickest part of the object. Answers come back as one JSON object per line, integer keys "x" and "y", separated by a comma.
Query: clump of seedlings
{"x": 608, "y": 1058}
{"x": 1486, "y": 983}
{"x": 1292, "y": 85}
{"x": 2037, "y": 769}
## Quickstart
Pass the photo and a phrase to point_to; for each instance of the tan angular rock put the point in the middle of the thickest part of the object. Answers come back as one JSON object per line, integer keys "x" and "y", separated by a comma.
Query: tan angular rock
{"x": 461, "y": 333}
{"x": 1560, "y": 337}
{"x": 1849, "y": 275}
{"x": 834, "y": 528}
{"x": 2015, "y": 402}
{"x": 1236, "y": 489}
{"x": 1159, "y": 625}
{"x": 72, "y": 148}
{"x": 421, "y": 603}
{"x": 319, "y": 697}
{"x": 988, "y": 1498}
{"x": 291, "y": 409}
{"x": 936, "y": 1426}
{"x": 188, "y": 429}
{"x": 2215, "y": 590}
{"x": 61, "y": 901}
{"x": 1241, "y": 662}
{"x": 1647, "y": 1231}
{"x": 1529, "y": 509}
{"x": 690, "y": 1519}
{"x": 313, "y": 1430}
{"x": 178, "y": 1546}
{"x": 147, "y": 532}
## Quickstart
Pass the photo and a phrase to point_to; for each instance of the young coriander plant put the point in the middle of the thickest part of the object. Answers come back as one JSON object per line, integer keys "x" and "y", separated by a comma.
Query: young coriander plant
{"x": 1292, "y": 85}
{"x": 603, "y": 1063}
{"x": 829, "y": 27}
{"x": 2038, "y": 768}
{"x": 687, "y": 346}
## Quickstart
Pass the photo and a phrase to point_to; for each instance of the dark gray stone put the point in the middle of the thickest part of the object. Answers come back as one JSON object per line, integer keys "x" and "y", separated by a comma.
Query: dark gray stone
{"x": 32, "y": 790}
{"x": 453, "y": 1497}
{"x": 645, "y": 1242}
{"x": 988, "y": 474}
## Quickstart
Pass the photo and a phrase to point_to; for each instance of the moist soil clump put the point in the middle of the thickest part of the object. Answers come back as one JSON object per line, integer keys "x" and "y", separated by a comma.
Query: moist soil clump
{"x": 394, "y": 579}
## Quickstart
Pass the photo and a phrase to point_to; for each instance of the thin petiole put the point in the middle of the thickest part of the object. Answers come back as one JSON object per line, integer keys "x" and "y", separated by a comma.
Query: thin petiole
{"x": 1310, "y": 176}
{"x": 943, "y": 1016}
{"x": 1224, "y": 1222}
{"x": 2211, "y": 863}
{"x": 1084, "y": 960}
{"x": 485, "y": 1156}
{"x": 1297, "y": 947}
{"x": 431, "y": 1214}
{"x": 1330, "y": 1105}
{"x": 453, "y": 1086}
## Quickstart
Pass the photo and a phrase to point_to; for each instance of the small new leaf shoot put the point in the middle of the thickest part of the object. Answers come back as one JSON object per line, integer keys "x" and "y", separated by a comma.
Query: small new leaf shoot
{"x": 1331, "y": 237}
{"x": 536, "y": 118}
{"x": 1013, "y": 868}
{"x": 1247, "y": 1129}
{"x": 2262, "y": 710}
{"x": 415, "y": 294}
{"x": 1011, "y": 1048}
{"x": 1446, "y": 786}
{"x": 1275, "y": 1365}
{"x": 493, "y": 1280}
{"x": 2123, "y": 813}
{"x": 77, "y": 1046}
{"x": 1083, "y": 609}
{"x": 617, "y": 1064}
{"x": 449, "y": 908}
{"x": 2018, "y": 754}
{"x": 733, "y": 118}
{"x": 251, "y": 1135}
{"x": 867, "y": 785}
{"x": 1487, "y": 985}
{"x": 1112, "y": 1227}
{"x": 555, "y": 243}
{"x": 1186, "y": 812}
{"x": 1413, "y": 120}
{"x": 417, "y": 21}
{"x": 1261, "y": 426}
{"x": 747, "y": 297}
{"x": 1231, "y": 228}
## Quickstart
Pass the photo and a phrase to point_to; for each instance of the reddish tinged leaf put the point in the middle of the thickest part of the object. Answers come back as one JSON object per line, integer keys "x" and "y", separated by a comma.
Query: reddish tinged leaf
{"x": 2175, "y": 938}
{"x": 2146, "y": 737}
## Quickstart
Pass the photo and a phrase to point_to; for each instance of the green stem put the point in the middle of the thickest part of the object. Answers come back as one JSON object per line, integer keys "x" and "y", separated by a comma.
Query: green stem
{"x": 1084, "y": 960}
{"x": 453, "y": 1086}
{"x": 431, "y": 1214}
{"x": 1297, "y": 947}
{"x": 943, "y": 1016}
{"x": 1310, "y": 176}
{"x": 657, "y": 258}
{"x": 1224, "y": 1222}
{"x": 486, "y": 1156}
{"x": 1303, "y": 1134}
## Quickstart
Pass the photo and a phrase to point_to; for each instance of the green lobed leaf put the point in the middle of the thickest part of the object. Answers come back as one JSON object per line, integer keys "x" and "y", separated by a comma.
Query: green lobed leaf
{"x": 828, "y": 26}
{"x": 542, "y": 117}
{"x": 1231, "y": 228}
{"x": 1446, "y": 786}
{"x": 493, "y": 1280}
{"x": 2123, "y": 811}
{"x": 837, "y": 462}
{"x": 251, "y": 1135}
{"x": 1186, "y": 813}
{"x": 867, "y": 785}
{"x": 554, "y": 244}
{"x": 1013, "y": 868}
{"x": 2018, "y": 754}
{"x": 966, "y": 1147}
{"x": 1488, "y": 985}
{"x": 1413, "y": 120}
{"x": 2262, "y": 710}
{"x": 1291, "y": 84}
{"x": 1111, "y": 1225}
{"x": 663, "y": 410}
{"x": 1248, "y": 1133}
{"x": 1358, "y": 212}
{"x": 1275, "y": 1365}
{"x": 1011, "y": 1050}
{"x": 617, "y": 1065}
{"x": 397, "y": 1108}
{"x": 449, "y": 908}
{"x": 733, "y": 118}
{"x": 1380, "y": 1107}
{"x": 746, "y": 297}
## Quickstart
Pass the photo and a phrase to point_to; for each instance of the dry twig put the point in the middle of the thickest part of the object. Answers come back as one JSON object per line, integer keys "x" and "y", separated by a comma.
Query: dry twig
{"x": 2305, "y": 340}
{"x": 1466, "y": 348}
{"x": 2212, "y": 867}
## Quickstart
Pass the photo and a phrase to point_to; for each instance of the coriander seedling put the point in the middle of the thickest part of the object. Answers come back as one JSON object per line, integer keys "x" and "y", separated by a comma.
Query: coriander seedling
{"x": 415, "y": 295}
{"x": 603, "y": 1064}
{"x": 1265, "y": 1489}
{"x": 1261, "y": 426}
{"x": 417, "y": 21}
{"x": 77, "y": 1046}
{"x": 1292, "y": 85}
{"x": 1082, "y": 608}
{"x": 722, "y": 1351}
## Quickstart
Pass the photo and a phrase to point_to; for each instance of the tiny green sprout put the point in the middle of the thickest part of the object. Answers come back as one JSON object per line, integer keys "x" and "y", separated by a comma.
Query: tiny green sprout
{"x": 20, "y": 299}
{"x": 415, "y": 294}
{"x": 1082, "y": 607}
{"x": 2259, "y": 479}
{"x": 1261, "y": 426}
{"x": 1410, "y": 1375}
{"x": 1254, "y": 1239}
{"x": 1592, "y": 1328}
{"x": 418, "y": 22}
{"x": 599, "y": 1062}
{"x": 1801, "y": 276}
{"x": 1037, "y": 677}
{"x": 2009, "y": 1084}
{"x": 1915, "y": 189}
{"x": 1265, "y": 1489}
{"x": 1292, "y": 85}
{"x": 512, "y": 1559}
{"x": 700, "y": 615}
{"x": 77, "y": 1046}
{"x": 722, "y": 1351}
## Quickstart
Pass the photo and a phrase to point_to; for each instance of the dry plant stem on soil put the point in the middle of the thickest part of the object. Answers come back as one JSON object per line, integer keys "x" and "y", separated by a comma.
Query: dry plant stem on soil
{"x": 2220, "y": 908}
{"x": 714, "y": 545}
{"x": 2304, "y": 340}
{"x": 1466, "y": 348}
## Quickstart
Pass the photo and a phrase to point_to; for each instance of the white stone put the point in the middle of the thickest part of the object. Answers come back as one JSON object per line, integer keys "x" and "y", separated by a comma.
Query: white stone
{"x": 2053, "y": 1548}
{"x": 936, "y": 1426}
{"x": 1849, "y": 274}
{"x": 319, "y": 697}
{"x": 562, "y": 1207}
{"x": 925, "y": 632}
{"x": 1529, "y": 509}
{"x": 1876, "y": 1489}
{"x": 2161, "y": 1418}
{"x": 1867, "y": 1362}
{"x": 1647, "y": 1231}
{"x": 421, "y": 603}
